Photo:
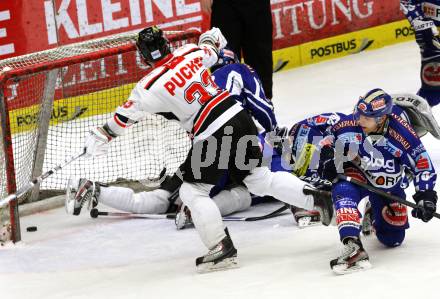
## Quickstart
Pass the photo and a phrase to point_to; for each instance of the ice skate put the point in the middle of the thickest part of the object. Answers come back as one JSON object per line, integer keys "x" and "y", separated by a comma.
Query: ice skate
{"x": 305, "y": 218}
{"x": 354, "y": 258}
{"x": 323, "y": 203}
{"x": 223, "y": 256}
{"x": 367, "y": 222}
{"x": 79, "y": 192}
{"x": 183, "y": 218}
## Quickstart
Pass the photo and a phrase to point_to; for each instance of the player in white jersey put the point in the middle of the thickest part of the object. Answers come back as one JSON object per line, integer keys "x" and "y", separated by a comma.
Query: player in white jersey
{"x": 224, "y": 137}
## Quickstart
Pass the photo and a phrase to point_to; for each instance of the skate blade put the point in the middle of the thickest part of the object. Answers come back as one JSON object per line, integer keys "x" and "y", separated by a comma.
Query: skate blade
{"x": 226, "y": 264}
{"x": 306, "y": 221}
{"x": 359, "y": 266}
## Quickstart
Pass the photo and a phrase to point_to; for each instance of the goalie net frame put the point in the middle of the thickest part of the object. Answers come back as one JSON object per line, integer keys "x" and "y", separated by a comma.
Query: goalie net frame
{"x": 50, "y": 62}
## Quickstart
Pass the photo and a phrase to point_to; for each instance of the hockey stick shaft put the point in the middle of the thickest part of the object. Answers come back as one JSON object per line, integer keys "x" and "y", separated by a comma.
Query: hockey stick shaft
{"x": 132, "y": 215}
{"x": 273, "y": 214}
{"x": 38, "y": 180}
{"x": 381, "y": 193}
{"x": 95, "y": 213}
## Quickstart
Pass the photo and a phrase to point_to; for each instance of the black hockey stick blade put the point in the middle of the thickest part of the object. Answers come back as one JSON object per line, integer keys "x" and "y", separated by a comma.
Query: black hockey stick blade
{"x": 273, "y": 214}
{"x": 381, "y": 193}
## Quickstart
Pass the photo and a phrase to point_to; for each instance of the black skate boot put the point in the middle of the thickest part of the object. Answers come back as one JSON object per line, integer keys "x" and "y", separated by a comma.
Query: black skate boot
{"x": 79, "y": 192}
{"x": 323, "y": 203}
{"x": 353, "y": 258}
{"x": 222, "y": 256}
{"x": 305, "y": 218}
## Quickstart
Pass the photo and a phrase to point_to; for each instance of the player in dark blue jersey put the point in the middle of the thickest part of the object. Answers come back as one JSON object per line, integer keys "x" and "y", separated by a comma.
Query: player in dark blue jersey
{"x": 424, "y": 16}
{"x": 379, "y": 147}
{"x": 243, "y": 82}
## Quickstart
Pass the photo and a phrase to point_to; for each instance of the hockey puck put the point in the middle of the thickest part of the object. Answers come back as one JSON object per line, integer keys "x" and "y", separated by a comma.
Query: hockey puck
{"x": 94, "y": 213}
{"x": 31, "y": 228}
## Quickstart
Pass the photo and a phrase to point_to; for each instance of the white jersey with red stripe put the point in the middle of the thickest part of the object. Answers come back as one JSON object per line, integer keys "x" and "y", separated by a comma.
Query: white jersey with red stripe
{"x": 176, "y": 89}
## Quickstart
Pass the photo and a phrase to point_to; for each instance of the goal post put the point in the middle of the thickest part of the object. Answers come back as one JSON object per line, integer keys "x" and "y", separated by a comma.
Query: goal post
{"x": 50, "y": 100}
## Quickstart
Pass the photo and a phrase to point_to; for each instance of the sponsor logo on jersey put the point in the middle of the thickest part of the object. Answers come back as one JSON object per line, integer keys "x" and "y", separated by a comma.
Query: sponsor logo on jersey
{"x": 419, "y": 149}
{"x": 343, "y": 124}
{"x": 303, "y": 131}
{"x": 431, "y": 73}
{"x": 423, "y": 162}
{"x": 372, "y": 163}
{"x": 393, "y": 150}
{"x": 333, "y": 119}
{"x": 319, "y": 120}
{"x": 350, "y": 137}
{"x": 399, "y": 138}
{"x": 314, "y": 179}
{"x": 431, "y": 10}
{"x": 398, "y": 216}
{"x": 301, "y": 139}
{"x": 346, "y": 217}
{"x": 405, "y": 124}
{"x": 382, "y": 179}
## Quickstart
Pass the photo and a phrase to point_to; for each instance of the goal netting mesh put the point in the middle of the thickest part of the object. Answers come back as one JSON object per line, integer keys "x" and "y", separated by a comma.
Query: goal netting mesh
{"x": 53, "y": 98}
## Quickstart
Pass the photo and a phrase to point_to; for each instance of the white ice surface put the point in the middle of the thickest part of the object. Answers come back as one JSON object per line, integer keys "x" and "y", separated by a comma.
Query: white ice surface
{"x": 80, "y": 257}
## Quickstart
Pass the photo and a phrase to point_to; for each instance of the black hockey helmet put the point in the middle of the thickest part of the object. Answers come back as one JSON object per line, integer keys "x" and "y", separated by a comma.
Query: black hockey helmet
{"x": 152, "y": 44}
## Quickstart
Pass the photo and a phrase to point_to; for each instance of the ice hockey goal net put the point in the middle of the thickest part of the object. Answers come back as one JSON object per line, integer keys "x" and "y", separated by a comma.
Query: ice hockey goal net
{"x": 50, "y": 100}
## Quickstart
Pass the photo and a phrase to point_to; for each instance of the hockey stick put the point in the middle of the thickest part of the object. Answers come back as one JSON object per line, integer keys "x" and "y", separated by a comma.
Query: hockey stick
{"x": 382, "y": 193}
{"x": 273, "y": 214}
{"x": 38, "y": 180}
{"x": 95, "y": 213}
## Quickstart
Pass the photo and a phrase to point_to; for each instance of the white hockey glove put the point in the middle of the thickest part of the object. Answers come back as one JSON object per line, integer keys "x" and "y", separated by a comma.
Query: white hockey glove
{"x": 213, "y": 37}
{"x": 96, "y": 143}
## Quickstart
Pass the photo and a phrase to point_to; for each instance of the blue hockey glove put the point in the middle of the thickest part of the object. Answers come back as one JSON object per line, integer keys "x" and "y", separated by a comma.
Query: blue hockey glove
{"x": 426, "y": 205}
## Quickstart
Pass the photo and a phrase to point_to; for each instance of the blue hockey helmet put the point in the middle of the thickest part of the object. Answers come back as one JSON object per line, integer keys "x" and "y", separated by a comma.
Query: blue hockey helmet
{"x": 225, "y": 57}
{"x": 375, "y": 103}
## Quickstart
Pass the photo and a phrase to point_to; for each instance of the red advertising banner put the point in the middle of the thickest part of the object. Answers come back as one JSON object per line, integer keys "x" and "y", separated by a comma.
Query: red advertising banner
{"x": 35, "y": 25}
{"x": 300, "y": 21}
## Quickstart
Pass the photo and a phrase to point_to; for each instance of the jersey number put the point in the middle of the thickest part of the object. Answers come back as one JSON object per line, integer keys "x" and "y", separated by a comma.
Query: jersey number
{"x": 200, "y": 90}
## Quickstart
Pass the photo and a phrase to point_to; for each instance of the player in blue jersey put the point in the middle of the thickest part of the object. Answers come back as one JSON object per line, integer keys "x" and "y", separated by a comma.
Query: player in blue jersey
{"x": 380, "y": 148}
{"x": 242, "y": 81}
{"x": 424, "y": 16}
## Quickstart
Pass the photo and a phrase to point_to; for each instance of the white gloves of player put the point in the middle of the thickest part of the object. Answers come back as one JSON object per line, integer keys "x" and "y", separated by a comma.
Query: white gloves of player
{"x": 213, "y": 37}
{"x": 97, "y": 143}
